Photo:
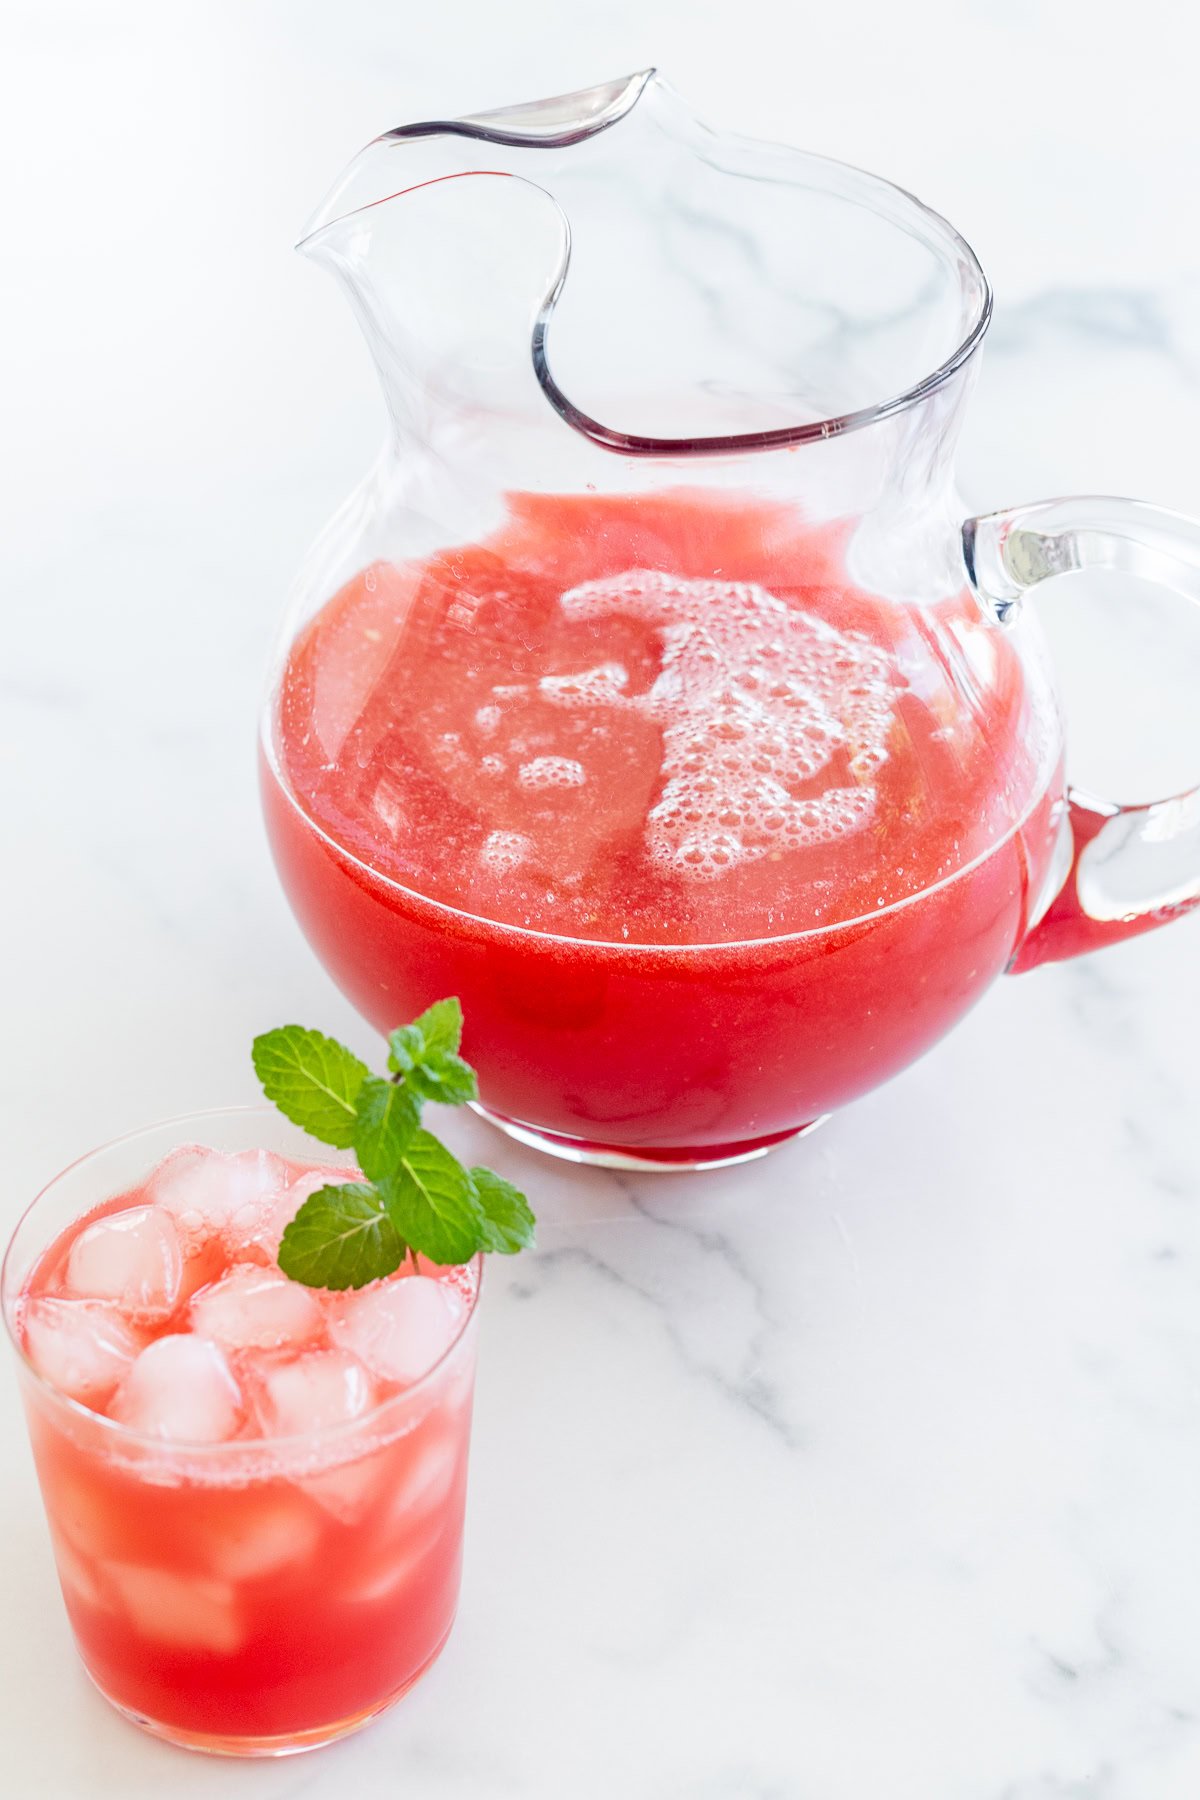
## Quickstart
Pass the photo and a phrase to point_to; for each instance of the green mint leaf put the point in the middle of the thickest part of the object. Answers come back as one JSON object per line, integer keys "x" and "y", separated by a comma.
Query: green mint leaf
{"x": 388, "y": 1114}
{"x": 441, "y": 1026}
{"x": 406, "y": 1046}
{"x": 312, "y": 1079}
{"x": 426, "y": 1054}
{"x": 444, "y": 1077}
{"x": 432, "y": 1202}
{"x": 508, "y": 1222}
{"x": 342, "y": 1237}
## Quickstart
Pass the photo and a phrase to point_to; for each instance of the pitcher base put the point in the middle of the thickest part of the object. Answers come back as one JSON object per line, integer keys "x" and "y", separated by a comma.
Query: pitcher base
{"x": 668, "y": 1161}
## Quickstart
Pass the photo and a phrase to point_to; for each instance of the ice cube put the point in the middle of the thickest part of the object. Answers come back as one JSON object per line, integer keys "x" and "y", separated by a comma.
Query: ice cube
{"x": 81, "y": 1347}
{"x": 349, "y": 1490}
{"x": 184, "y": 1612}
{"x": 266, "y": 1226}
{"x": 259, "y": 1536}
{"x": 399, "y": 1566}
{"x": 317, "y": 1390}
{"x": 252, "y": 1308}
{"x": 78, "y": 1578}
{"x": 205, "y": 1190}
{"x": 399, "y": 1329}
{"x": 427, "y": 1481}
{"x": 180, "y": 1389}
{"x": 132, "y": 1257}
{"x": 88, "y": 1516}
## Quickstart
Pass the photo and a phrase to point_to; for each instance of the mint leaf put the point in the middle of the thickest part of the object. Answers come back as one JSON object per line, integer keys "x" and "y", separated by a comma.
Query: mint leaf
{"x": 312, "y": 1079}
{"x": 342, "y": 1237}
{"x": 507, "y": 1222}
{"x": 446, "y": 1078}
{"x": 432, "y": 1202}
{"x": 434, "y": 1033}
{"x": 387, "y": 1114}
{"x": 406, "y": 1046}
{"x": 441, "y": 1026}
{"x": 426, "y": 1054}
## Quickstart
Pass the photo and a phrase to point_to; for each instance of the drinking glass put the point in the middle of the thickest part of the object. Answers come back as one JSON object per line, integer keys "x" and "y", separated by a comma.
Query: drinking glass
{"x": 257, "y": 1596}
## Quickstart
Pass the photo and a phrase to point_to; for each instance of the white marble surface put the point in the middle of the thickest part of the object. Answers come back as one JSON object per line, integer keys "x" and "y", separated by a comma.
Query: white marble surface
{"x": 871, "y": 1471}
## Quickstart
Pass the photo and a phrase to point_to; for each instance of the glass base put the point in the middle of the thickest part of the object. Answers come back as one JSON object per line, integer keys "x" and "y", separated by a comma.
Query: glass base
{"x": 665, "y": 1161}
{"x": 289, "y": 1744}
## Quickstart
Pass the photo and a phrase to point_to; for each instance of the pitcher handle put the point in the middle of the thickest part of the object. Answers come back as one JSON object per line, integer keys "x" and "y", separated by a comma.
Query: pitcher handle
{"x": 1131, "y": 867}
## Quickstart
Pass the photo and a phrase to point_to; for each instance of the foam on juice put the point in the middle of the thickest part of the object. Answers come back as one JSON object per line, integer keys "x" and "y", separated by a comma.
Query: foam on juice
{"x": 764, "y": 711}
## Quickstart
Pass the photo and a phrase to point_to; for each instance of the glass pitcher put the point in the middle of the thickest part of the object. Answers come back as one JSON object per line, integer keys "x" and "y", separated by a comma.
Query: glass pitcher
{"x": 651, "y": 694}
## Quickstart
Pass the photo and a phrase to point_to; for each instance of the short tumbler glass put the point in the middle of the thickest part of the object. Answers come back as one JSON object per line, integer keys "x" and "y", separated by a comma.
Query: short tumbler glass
{"x": 262, "y": 1595}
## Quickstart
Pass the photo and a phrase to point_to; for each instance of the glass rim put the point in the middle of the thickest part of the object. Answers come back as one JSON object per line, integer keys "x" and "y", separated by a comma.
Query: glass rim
{"x": 227, "y": 1448}
{"x": 627, "y": 947}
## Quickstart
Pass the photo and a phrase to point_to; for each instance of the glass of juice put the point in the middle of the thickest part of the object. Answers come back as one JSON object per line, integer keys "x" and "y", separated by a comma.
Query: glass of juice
{"x": 255, "y": 1489}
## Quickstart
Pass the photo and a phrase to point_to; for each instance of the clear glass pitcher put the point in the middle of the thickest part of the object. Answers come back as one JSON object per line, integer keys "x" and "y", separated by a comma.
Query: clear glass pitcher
{"x": 651, "y": 694}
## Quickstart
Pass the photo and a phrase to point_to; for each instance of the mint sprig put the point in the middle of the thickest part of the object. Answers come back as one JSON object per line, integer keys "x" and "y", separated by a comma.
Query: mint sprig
{"x": 417, "y": 1197}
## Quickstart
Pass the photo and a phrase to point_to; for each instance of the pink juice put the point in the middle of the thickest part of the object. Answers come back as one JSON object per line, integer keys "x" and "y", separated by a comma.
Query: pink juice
{"x": 257, "y": 1520}
{"x": 707, "y": 838}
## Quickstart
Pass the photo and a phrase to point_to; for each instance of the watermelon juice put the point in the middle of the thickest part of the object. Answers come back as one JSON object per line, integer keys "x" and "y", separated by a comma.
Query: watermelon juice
{"x": 255, "y": 1489}
{"x": 707, "y": 838}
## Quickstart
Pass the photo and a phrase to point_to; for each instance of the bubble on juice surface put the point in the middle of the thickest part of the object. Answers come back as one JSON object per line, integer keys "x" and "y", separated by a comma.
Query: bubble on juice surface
{"x": 773, "y": 721}
{"x": 180, "y": 1389}
{"x": 319, "y": 1389}
{"x": 253, "y": 1308}
{"x": 400, "y": 1328}
{"x": 504, "y": 850}
{"x": 606, "y": 682}
{"x": 182, "y": 1612}
{"x": 81, "y": 1347}
{"x": 552, "y": 772}
{"x": 133, "y": 1257}
{"x": 204, "y": 1191}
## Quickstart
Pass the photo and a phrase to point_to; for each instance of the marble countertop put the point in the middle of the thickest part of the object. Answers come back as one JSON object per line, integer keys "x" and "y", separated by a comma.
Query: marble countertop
{"x": 868, "y": 1473}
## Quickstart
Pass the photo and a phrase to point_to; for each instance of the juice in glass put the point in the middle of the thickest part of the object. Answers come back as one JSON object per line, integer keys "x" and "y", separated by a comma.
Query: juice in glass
{"x": 708, "y": 837}
{"x": 255, "y": 1489}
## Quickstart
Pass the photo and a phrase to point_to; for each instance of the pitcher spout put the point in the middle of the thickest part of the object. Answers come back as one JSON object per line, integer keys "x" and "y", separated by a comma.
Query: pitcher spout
{"x": 376, "y": 174}
{"x": 674, "y": 291}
